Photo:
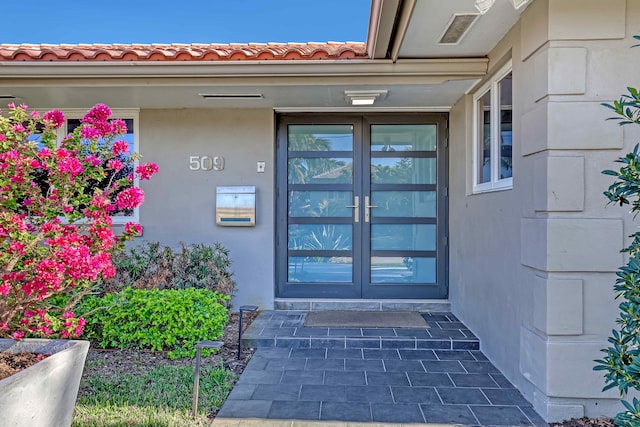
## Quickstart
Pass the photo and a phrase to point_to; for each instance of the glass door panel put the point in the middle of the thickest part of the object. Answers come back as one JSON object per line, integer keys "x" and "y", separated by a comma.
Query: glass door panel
{"x": 319, "y": 239}
{"x": 402, "y": 234}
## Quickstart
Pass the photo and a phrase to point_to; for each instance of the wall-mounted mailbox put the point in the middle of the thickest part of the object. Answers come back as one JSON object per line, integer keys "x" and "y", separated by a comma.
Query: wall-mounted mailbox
{"x": 236, "y": 206}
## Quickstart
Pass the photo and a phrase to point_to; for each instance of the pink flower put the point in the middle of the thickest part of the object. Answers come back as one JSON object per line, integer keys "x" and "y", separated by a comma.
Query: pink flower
{"x": 44, "y": 153}
{"x": 18, "y": 128}
{"x": 133, "y": 228}
{"x": 92, "y": 160}
{"x": 18, "y": 335}
{"x": 35, "y": 114}
{"x": 89, "y": 132}
{"x": 34, "y": 164}
{"x": 70, "y": 165}
{"x": 3, "y": 138}
{"x": 120, "y": 147}
{"x": 68, "y": 315}
{"x": 145, "y": 171}
{"x": 118, "y": 127}
{"x": 98, "y": 113}
{"x": 115, "y": 164}
{"x": 129, "y": 198}
{"x": 55, "y": 118}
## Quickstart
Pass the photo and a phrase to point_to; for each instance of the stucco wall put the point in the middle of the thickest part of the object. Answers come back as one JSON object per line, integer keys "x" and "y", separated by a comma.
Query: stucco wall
{"x": 180, "y": 203}
{"x": 541, "y": 299}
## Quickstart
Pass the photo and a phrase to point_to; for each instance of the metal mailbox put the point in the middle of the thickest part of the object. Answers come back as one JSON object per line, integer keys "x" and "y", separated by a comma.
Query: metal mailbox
{"x": 236, "y": 206}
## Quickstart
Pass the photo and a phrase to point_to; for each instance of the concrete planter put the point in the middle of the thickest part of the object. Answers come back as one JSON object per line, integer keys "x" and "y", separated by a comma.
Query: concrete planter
{"x": 44, "y": 394}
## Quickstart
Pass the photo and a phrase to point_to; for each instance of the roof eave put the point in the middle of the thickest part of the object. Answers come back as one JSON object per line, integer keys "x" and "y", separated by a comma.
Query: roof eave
{"x": 446, "y": 68}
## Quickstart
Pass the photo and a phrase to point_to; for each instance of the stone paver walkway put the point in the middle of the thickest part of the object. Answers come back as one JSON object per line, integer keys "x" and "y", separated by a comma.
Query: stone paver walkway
{"x": 433, "y": 375}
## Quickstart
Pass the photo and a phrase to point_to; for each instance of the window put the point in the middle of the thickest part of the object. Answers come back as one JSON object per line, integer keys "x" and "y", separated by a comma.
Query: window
{"x": 130, "y": 117}
{"x": 493, "y": 159}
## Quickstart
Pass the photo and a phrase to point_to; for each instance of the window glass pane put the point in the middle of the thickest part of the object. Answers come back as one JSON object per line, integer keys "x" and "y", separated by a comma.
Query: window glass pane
{"x": 128, "y": 169}
{"x": 411, "y": 237}
{"x": 403, "y": 137}
{"x": 323, "y": 170}
{"x": 506, "y": 163}
{"x": 128, "y": 137}
{"x": 320, "y": 237}
{"x": 403, "y": 270}
{"x": 484, "y": 138}
{"x": 406, "y": 204}
{"x": 320, "y": 269}
{"x": 320, "y": 138}
{"x": 403, "y": 170}
{"x": 320, "y": 203}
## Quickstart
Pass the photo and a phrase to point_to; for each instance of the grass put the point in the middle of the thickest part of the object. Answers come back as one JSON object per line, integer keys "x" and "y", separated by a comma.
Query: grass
{"x": 161, "y": 397}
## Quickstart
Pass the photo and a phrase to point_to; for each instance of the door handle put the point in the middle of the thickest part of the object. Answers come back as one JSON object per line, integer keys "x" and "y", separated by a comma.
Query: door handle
{"x": 356, "y": 208}
{"x": 367, "y": 207}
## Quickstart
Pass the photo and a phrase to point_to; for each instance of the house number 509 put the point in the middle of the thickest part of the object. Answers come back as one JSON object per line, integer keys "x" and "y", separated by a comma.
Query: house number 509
{"x": 206, "y": 163}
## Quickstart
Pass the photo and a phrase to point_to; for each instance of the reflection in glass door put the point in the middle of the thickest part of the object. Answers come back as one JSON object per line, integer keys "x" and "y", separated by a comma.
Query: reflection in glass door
{"x": 360, "y": 211}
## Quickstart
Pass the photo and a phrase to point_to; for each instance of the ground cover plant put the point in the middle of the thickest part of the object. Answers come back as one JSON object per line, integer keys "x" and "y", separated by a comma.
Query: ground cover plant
{"x": 173, "y": 320}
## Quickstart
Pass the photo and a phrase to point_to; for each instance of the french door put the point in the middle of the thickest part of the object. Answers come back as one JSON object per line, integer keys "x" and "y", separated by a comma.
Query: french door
{"x": 361, "y": 206}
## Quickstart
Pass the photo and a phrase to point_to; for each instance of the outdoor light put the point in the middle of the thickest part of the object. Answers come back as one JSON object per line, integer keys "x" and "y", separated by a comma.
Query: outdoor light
{"x": 364, "y": 97}
{"x": 243, "y": 308}
{"x": 196, "y": 378}
{"x": 483, "y": 6}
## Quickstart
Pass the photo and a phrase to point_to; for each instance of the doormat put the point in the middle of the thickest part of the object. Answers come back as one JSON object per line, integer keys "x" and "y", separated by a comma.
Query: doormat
{"x": 365, "y": 319}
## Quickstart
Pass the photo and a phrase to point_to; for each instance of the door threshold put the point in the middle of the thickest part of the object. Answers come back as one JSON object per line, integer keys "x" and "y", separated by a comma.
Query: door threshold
{"x": 312, "y": 304}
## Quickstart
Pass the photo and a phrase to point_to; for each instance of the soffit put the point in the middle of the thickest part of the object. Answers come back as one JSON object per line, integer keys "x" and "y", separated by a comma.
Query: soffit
{"x": 430, "y": 18}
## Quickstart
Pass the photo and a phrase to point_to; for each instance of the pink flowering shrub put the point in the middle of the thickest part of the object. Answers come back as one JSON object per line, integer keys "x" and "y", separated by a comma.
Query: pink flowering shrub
{"x": 55, "y": 225}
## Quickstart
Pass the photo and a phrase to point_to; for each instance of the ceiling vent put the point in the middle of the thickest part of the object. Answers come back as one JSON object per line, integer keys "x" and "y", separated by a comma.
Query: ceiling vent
{"x": 231, "y": 95}
{"x": 458, "y": 27}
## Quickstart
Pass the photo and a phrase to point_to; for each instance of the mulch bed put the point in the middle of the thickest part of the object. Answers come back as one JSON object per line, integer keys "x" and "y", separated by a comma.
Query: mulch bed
{"x": 585, "y": 422}
{"x": 12, "y": 363}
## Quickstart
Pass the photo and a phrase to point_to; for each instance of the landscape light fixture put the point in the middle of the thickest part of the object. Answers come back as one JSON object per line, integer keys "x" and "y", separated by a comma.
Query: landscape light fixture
{"x": 364, "y": 97}
{"x": 196, "y": 376}
{"x": 483, "y": 6}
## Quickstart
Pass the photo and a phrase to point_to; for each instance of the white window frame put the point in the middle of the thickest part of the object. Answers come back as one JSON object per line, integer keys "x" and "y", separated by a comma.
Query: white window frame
{"x": 495, "y": 183}
{"x": 116, "y": 113}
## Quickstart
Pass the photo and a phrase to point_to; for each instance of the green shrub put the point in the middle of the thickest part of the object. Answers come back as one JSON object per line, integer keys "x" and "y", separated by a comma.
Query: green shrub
{"x": 621, "y": 363}
{"x": 154, "y": 266}
{"x": 168, "y": 319}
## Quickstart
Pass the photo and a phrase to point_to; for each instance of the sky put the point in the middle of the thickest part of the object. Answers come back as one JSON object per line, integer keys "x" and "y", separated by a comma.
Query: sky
{"x": 186, "y": 21}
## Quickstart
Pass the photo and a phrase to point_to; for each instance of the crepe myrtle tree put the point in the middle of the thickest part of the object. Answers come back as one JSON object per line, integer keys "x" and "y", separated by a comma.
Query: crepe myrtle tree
{"x": 56, "y": 202}
{"x": 621, "y": 363}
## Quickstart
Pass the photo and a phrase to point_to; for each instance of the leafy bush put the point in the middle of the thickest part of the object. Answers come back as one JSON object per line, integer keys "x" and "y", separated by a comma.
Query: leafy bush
{"x": 168, "y": 319}
{"x": 153, "y": 266}
{"x": 621, "y": 363}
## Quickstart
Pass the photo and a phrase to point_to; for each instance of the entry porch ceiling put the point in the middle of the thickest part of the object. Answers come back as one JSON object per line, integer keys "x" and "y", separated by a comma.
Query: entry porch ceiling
{"x": 437, "y": 96}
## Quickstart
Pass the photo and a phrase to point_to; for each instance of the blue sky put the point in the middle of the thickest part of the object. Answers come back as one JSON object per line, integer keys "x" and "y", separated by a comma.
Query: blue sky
{"x": 186, "y": 21}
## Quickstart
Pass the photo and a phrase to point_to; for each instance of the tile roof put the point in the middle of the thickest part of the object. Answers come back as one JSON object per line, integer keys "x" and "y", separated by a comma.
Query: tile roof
{"x": 181, "y": 52}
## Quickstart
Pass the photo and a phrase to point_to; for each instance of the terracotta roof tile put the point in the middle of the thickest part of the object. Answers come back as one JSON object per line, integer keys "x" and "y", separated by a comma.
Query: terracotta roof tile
{"x": 181, "y": 52}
